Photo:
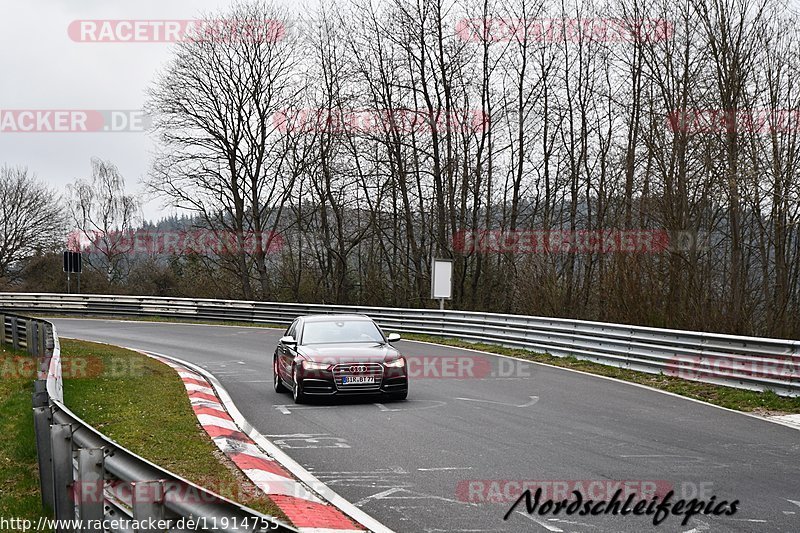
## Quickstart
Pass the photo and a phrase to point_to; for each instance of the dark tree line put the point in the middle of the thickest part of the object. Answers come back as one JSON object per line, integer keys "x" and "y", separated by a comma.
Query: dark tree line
{"x": 367, "y": 135}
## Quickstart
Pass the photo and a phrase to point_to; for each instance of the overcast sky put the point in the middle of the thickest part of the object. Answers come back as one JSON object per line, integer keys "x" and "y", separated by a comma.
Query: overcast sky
{"x": 43, "y": 68}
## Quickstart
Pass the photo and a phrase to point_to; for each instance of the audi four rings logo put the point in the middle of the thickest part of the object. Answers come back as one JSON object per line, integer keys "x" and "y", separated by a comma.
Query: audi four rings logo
{"x": 356, "y": 369}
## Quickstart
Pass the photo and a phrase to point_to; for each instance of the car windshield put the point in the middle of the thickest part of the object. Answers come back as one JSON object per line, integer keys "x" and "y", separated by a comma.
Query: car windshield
{"x": 341, "y": 331}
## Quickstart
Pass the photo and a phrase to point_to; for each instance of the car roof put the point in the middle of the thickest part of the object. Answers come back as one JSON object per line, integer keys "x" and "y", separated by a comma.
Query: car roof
{"x": 324, "y": 318}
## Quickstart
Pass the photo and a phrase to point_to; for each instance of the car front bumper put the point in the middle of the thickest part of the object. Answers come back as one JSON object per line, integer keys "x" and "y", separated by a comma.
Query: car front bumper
{"x": 387, "y": 380}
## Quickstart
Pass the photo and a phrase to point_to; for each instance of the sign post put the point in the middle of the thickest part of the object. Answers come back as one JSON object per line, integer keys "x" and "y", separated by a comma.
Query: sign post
{"x": 441, "y": 280}
{"x": 73, "y": 264}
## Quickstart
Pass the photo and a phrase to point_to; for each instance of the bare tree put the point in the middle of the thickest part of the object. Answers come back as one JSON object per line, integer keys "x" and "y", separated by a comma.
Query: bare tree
{"x": 105, "y": 217}
{"x": 227, "y": 153}
{"x": 31, "y": 219}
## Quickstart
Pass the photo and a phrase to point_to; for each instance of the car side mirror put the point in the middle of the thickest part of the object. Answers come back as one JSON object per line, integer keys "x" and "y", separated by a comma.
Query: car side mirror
{"x": 394, "y": 337}
{"x": 288, "y": 340}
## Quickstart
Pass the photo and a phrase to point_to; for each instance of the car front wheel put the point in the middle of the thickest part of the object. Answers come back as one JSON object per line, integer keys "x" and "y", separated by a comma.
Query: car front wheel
{"x": 297, "y": 390}
{"x": 277, "y": 383}
{"x": 399, "y": 396}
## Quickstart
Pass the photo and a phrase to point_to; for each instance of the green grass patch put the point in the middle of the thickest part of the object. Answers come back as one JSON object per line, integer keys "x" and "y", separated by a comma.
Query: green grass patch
{"x": 19, "y": 472}
{"x": 142, "y": 404}
{"x": 763, "y": 403}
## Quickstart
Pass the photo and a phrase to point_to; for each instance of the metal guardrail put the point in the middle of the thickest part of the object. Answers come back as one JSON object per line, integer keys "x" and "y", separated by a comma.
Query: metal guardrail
{"x": 753, "y": 363}
{"x": 86, "y": 476}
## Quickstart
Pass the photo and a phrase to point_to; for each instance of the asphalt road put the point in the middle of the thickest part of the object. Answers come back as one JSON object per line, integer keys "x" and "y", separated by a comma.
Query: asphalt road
{"x": 416, "y": 465}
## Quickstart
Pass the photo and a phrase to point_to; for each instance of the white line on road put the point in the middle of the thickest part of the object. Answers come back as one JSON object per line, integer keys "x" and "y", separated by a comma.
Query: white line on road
{"x": 378, "y": 496}
{"x": 413, "y": 404}
{"x": 298, "y": 435}
{"x": 533, "y": 400}
{"x": 654, "y": 456}
{"x": 545, "y": 525}
{"x": 444, "y": 468}
{"x": 287, "y": 409}
{"x": 699, "y": 529}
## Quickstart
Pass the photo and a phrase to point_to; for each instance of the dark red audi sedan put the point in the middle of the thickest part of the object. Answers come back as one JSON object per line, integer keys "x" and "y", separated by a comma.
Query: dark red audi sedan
{"x": 330, "y": 355}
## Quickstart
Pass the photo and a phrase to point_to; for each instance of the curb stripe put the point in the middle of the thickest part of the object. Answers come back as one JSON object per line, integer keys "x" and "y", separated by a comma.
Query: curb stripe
{"x": 249, "y": 462}
{"x": 302, "y": 506}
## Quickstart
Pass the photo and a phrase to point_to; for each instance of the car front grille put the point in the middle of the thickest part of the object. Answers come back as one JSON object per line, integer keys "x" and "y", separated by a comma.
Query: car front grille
{"x": 358, "y": 369}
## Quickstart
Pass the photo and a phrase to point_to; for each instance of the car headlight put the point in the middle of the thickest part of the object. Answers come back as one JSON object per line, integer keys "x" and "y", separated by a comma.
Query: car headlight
{"x": 311, "y": 365}
{"x": 397, "y": 363}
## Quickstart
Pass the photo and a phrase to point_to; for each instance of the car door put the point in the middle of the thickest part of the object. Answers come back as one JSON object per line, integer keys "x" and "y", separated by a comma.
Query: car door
{"x": 286, "y": 354}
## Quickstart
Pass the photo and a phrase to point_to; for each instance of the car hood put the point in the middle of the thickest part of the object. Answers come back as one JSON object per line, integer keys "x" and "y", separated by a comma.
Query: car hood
{"x": 349, "y": 353}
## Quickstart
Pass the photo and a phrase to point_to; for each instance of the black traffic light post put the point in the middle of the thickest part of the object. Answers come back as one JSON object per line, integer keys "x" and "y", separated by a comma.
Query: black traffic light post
{"x": 73, "y": 264}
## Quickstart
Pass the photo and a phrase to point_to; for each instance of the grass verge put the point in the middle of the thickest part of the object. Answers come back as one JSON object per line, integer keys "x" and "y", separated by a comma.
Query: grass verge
{"x": 762, "y": 403}
{"x": 142, "y": 404}
{"x": 19, "y": 472}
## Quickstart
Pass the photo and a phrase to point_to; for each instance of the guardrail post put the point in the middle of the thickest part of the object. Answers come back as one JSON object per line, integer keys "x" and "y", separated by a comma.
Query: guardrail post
{"x": 147, "y": 500}
{"x": 42, "y": 339}
{"x": 90, "y": 483}
{"x": 61, "y": 442}
{"x": 40, "y": 396}
{"x": 2, "y": 330}
{"x": 14, "y": 333}
{"x": 42, "y": 418}
{"x": 32, "y": 334}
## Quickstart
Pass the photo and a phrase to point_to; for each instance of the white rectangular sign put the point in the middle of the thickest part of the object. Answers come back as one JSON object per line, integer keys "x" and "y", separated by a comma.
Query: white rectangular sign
{"x": 442, "y": 278}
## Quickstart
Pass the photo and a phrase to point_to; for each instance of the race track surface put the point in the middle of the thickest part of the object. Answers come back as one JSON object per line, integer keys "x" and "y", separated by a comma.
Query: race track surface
{"x": 421, "y": 465}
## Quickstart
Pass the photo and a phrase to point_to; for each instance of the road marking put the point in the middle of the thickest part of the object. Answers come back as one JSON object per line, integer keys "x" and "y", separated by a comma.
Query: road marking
{"x": 298, "y": 435}
{"x": 545, "y": 525}
{"x": 444, "y": 468}
{"x": 433, "y": 403}
{"x": 312, "y": 443}
{"x": 702, "y": 526}
{"x": 533, "y": 400}
{"x": 789, "y": 420}
{"x": 571, "y": 522}
{"x": 287, "y": 409}
{"x": 378, "y": 496}
{"x": 794, "y": 502}
{"x": 390, "y": 470}
{"x": 654, "y": 456}
{"x": 389, "y": 495}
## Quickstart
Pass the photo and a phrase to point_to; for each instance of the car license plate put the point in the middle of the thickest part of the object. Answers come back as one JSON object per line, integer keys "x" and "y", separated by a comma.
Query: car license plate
{"x": 357, "y": 379}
